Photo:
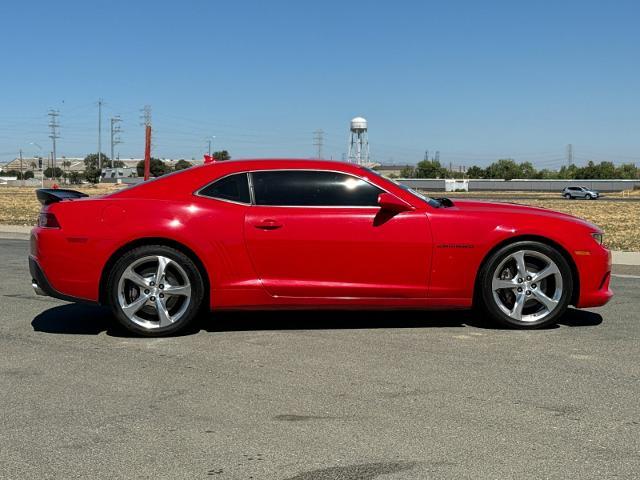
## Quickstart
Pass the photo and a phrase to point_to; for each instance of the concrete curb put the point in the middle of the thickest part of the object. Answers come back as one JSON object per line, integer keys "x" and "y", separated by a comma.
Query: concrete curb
{"x": 20, "y": 232}
{"x": 625, "y": 258}
{"x": 15, "y": 232}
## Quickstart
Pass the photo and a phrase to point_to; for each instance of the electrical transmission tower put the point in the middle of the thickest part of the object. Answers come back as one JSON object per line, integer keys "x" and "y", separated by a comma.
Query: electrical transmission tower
{"x": 54, "y": 134}
{"x": 146, "y": 115}
{"x": 318, "y": 141}
{"x": 569, "y": 155}
{"x": 115, "y": 135}
{"x": 146, "y": 118}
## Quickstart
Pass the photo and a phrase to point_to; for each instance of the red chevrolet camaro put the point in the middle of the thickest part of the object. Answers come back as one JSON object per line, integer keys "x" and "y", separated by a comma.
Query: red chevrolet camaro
{"x": 256, "y": 234}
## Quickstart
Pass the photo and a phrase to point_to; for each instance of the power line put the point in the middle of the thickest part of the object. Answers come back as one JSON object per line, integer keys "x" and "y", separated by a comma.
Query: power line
{"x": 318, "y": 141}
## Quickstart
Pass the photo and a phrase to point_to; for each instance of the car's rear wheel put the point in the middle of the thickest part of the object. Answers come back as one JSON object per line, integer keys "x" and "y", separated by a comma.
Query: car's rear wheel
{"x": 155, "y": 290}
{"x": 567, "y": 196}
{"x": 526, "y": 285}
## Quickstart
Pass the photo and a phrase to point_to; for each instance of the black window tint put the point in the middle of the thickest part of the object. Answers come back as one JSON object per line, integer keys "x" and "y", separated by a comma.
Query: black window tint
{"x": 233, "y": 187}
{"x": 311, "y": 188}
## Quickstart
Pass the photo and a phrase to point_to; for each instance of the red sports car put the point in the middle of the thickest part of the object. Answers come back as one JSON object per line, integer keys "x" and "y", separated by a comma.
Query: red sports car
{"x": 257, "y": 234}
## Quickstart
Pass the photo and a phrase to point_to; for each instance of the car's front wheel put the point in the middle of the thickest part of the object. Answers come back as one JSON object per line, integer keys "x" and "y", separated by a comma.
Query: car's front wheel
{"x": 588, "y": 196}
{"x": 526, "y": 285}
{"x": 155, "y": 290}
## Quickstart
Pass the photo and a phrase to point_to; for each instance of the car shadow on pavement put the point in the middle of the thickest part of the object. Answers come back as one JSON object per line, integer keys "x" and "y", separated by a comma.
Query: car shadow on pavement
{"x": 77, "y": 319}
{"x": 80, "y": 319}
{"x": 369, "y": 319}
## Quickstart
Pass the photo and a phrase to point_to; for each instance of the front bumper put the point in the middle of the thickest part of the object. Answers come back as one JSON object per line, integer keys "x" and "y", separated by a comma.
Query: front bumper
{"x": 595, "y": 276}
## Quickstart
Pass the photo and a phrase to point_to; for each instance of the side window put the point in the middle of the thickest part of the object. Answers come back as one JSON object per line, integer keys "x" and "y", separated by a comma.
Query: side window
{"x": 234, "y": 188}
{"x": 312, "y": 188}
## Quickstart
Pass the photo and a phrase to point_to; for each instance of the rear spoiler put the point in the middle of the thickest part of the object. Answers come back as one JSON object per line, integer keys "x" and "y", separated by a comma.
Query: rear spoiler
{"x": 47, "y": 196}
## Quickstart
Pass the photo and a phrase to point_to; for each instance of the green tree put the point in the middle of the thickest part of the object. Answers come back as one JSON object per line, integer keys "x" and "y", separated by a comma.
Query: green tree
{"x": 53, "y": 172}
{"x": 476, "y": 172}
{"x": 12, "y": 173}
{"x": 408, "y": 172}
{"x": 589, "y": 171}
{"x": 91, "y": 171}
{"x": 606, "y": 170}
{"x": 181, "y": 165}
{"x": 628, "y": 171}
{"x": 505, "y": 168}
{"x": 567, "y": 172}
{"x": 27, "y": 175}
{"x": 221, "y": 155}
{"x": 157, "y": 167}
{"x": 527, "y": 170}
{"x": 546, "y": 174}
{"x": 74, "y": 178}
{"x": 430, "y": 169}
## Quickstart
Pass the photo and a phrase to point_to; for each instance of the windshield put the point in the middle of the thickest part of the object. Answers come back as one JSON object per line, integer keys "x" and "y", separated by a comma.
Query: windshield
{"x": 431, "y": 201}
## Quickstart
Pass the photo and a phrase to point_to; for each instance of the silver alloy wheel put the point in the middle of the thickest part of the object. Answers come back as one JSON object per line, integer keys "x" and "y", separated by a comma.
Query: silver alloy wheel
{"x": 154, "y": 292}
{"x": 527, "y": 286}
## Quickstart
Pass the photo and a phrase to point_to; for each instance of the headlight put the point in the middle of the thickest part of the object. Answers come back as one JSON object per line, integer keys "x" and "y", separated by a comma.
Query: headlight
{"x": 598, "y": 237}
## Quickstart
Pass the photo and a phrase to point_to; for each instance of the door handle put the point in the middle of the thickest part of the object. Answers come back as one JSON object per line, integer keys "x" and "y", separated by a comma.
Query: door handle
{"x": 268, "y": 224}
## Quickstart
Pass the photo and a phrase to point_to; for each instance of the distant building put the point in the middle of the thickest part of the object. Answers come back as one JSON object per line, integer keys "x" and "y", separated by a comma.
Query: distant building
{"x": 119, "y": 172}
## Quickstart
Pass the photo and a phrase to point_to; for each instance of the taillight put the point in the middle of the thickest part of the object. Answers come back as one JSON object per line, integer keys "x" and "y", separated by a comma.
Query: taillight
{"x": 48, "y": 220}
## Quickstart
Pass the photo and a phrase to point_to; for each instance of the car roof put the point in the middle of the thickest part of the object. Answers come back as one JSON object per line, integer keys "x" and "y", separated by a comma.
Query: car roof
{"x": 271, "y": 163}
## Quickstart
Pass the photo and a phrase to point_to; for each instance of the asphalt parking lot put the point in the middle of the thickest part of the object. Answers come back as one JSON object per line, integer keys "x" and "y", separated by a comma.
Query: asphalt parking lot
{"x": 316, "y": 396}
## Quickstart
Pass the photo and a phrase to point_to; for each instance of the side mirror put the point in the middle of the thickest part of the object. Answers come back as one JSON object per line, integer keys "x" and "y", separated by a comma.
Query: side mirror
{"x": 393, "y": 204}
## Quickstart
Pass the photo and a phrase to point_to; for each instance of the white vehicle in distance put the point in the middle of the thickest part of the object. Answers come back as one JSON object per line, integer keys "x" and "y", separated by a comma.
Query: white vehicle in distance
{"x": 580, "y": 192}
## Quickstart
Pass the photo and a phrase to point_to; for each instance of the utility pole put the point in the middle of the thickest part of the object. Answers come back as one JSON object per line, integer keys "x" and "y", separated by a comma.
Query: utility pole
{"x": 146, "y": 116}
{"x": 100, "y": 102}
{"x": 53, "y": 135}
{"x": 569, "y": 155}
{"x": 21, "y": 169}
{"x": 115, "y": 138}
{"x": 318, "y": 141}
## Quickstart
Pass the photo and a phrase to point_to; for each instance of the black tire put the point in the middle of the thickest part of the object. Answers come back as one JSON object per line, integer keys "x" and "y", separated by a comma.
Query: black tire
{"x": 486, "y": 275}
{"x": 567, "y": 196}
{"x": 588, "y": 196}
{"x": 184, "y": 266}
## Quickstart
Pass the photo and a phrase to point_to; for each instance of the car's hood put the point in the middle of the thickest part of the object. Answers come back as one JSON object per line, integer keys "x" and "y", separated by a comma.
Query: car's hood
{"x": 504, "y": 208}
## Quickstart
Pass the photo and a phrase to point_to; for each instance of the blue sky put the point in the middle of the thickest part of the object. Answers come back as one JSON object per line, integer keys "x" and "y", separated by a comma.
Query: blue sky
{"x": 475, "y": 80}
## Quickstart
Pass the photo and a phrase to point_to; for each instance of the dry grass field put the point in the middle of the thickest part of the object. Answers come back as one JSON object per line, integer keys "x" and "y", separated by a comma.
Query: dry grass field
{"x": 19, "y": 206}
{"x": 619, "y": 219}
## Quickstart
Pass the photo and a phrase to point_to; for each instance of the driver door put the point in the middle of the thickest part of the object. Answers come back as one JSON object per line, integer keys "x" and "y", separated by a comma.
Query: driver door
{"x": 321, "y": 234}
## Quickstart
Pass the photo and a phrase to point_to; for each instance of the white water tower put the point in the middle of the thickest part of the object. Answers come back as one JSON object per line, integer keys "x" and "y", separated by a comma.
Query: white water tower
{"x": 359, "y": 142}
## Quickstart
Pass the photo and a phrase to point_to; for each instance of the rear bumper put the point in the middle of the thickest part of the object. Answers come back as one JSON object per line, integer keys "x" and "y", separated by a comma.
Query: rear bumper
{"x": 42, "y": 286}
